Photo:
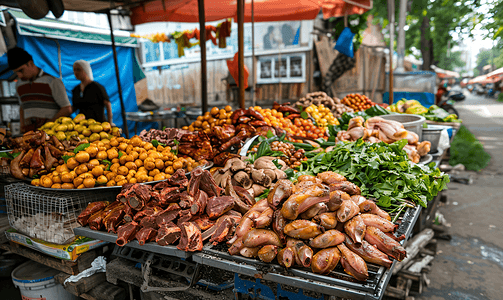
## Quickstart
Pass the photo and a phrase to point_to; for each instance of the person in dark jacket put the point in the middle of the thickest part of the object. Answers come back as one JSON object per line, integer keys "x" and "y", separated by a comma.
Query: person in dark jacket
{"x": 89, "y": 97}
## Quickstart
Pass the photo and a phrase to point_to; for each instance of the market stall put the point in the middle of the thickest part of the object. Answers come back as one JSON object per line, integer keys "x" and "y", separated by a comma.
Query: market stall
{"x": 309, "y": 196}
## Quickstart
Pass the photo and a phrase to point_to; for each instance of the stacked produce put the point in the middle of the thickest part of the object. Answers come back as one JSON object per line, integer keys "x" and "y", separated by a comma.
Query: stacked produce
{"x": 321, "y": 115}
{"x": 65, "y": 128}
{"x": 175, "y": 210}
{"x": 377, "y": 129}
{"x": 245, "y": 123}
{"x": 318, "y": 223}
{"x": 38, "y": 154}
{"x": 291, "y": 156}
{"x": 7, "y": 142}
{"x": 114, "y": 162}
{"x": 433, "y": 113}
{"x": 254, "y": 178}
{"x": 357, "y": 102}
{"x": 166, "y": 137}
{"x": 214, "y": 117}
{"x": 321, "y": 98}
{"x": 382, "y": 171}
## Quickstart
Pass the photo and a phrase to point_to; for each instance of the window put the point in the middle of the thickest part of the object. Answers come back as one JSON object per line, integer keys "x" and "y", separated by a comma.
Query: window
{"x": 152, "y": 52}
{"x": 291, "y": 68}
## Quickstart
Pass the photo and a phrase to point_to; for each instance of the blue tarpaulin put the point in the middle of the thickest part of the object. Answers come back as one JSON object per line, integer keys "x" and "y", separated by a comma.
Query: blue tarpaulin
{"x": 45, "y": 55}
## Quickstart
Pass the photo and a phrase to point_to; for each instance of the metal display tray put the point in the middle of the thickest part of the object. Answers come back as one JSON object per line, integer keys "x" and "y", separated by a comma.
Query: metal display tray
{"x": 151, "y": 246}
{"x": 337, "y": 283}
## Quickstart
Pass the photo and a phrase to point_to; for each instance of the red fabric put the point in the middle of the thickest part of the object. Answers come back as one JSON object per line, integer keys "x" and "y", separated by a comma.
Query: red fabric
{"x": 215, "y": 10}
{"x": 234, "y": 70}
{"x": 339, "y": 8}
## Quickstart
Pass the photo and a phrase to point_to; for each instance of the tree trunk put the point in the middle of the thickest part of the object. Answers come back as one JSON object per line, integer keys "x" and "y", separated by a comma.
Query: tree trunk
{"x": 426, "y": 43}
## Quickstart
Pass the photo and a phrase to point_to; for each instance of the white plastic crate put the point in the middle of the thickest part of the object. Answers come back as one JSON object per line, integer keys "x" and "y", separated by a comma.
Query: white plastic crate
{"x": 47, "y": 215}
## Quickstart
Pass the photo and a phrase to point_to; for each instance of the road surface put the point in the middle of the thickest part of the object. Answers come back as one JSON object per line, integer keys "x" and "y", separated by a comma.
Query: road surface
{"x": 470, "y": 265}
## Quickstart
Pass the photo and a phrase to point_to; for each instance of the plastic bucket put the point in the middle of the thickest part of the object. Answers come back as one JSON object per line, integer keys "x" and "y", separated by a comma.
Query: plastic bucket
{"x": 432, "y": 134}
{"x": 36, "y": 282}
{"x": 412, "y": 123}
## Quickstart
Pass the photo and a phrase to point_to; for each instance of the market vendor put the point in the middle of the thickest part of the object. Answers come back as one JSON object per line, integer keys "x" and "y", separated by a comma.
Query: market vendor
{"x": 89, "y": 97}
{"x": 42, "y": 96}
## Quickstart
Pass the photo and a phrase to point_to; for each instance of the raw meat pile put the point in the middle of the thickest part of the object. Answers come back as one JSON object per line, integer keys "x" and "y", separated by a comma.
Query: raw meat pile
{"x": 173, "y": 210}
{"x": 317, "y": 223}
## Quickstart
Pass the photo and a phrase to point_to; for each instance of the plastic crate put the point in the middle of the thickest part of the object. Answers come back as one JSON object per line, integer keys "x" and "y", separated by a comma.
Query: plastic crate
{"x": 255, "y": 288}
{"x": 47, "y": 215}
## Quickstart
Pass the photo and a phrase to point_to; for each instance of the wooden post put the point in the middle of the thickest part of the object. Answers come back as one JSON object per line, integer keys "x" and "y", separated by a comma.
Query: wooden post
{"x": 241, "y": 58}
{"x": 117, "y": 74}
{"x": 391, "y": 17}
{"x": 254, "y": 63}
{"x": 202, "y": 43}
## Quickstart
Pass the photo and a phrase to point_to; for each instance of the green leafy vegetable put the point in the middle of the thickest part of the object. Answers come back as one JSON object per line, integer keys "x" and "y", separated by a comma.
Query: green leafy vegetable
{"x": 304, "y": 115}
{"x": 263, "y": 195}
{"x": 175, "y": 149}
{"x": 109, "y": 163}
{"x": 381, "y": 171}
{"x": 9, "y": 155}
{"x": 67, "y": 157}
{"x": 269, "y": 134}
{"x": 468, "y": 151}
{"x": 276, "y": 163}
{"x": 156, "y": 143}
{"x": 120, "y": 154}
{"x": 81, "y": 147}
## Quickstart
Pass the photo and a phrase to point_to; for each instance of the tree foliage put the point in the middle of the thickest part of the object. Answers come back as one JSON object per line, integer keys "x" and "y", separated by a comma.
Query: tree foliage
{"x": 430, "y": 26}
{"x": 484, "y": 58}
{"x": 495, "y": 17}
{"x": 454, "y": 60}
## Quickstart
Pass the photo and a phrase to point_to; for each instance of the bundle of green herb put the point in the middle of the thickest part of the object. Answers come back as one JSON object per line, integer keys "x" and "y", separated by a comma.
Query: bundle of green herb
{"x": 382, "y": 171}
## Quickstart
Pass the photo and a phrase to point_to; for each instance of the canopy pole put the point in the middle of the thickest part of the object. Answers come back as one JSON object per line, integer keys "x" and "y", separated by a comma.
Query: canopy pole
{"x": 117, "y": 74}
{"x": 241, "y": 57}
{"x": 254, "y": 75}
{"x": 202, "y": 44}
{"x": 391, "y": 13}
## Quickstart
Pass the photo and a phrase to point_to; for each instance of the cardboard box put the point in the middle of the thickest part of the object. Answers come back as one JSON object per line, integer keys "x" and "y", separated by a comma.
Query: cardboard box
{"x": 69, "y": 251}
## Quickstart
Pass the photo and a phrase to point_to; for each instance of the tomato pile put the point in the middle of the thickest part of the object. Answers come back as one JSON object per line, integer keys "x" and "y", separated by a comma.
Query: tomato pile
{"x": 357, "y": 102}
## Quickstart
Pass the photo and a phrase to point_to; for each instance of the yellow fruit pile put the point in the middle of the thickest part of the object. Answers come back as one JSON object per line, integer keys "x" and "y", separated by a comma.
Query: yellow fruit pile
{"x": 211, "y": 119}
{"x": 322, "y": 115}
{"x": 65, "y": 128}
{"x": 115, "y": 162}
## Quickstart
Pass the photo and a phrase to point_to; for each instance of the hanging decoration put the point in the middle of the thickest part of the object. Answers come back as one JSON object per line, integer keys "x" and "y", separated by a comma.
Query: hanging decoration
{"x": 217, "y": 35}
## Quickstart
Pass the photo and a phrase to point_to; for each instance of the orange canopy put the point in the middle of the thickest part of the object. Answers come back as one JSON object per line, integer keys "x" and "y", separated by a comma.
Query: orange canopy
{"x": 187, "y": 10}
{"x": 339, "y": 8}
{"x": 264, "y": 10}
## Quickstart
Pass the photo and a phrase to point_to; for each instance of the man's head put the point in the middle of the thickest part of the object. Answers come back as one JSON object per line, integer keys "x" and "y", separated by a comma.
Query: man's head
{"x": 21, "y": 63}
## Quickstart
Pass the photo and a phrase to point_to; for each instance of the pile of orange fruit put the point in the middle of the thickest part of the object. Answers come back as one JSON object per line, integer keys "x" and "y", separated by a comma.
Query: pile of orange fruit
{"x": 302, "y": 128}
{"x": 357, "y": 102}
{"x": 307, "y": 129}
{"x": 211, "y": 119}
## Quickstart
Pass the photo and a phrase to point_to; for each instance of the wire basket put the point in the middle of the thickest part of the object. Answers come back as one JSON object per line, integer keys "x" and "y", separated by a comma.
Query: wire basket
{"x": 47, "y": 215}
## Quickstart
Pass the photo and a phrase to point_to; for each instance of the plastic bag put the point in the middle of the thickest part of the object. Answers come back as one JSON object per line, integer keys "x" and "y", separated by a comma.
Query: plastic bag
{"x": 234, "y": 70}
{"x": 345, "y": 43}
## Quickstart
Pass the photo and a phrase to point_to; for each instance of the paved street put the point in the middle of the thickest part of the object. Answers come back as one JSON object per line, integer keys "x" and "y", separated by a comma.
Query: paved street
{"x": 470, "y": 265}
